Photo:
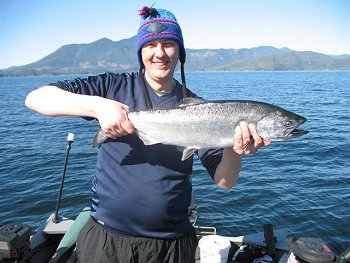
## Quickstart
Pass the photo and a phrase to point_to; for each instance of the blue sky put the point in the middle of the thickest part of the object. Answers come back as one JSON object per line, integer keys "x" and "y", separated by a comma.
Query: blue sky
{"x": 32, "y": 29}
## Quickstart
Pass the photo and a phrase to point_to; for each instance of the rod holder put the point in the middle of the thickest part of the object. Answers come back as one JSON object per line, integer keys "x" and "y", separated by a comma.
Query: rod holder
{"x": 70, "y": 139}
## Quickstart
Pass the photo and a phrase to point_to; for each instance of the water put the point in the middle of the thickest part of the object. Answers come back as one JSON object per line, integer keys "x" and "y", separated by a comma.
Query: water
{"x": 301, "y": 184}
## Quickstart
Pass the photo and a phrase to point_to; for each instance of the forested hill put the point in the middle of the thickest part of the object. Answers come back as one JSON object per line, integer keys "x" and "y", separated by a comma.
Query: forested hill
{"x": 115, "y": 56}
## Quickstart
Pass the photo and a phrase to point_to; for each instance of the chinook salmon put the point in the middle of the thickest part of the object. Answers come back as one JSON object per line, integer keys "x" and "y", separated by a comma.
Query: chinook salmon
{"x": 210, "y": 124}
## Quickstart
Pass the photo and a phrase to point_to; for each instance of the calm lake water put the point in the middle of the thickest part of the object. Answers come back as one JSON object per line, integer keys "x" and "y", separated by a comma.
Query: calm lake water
{"x": 302, "y": 185}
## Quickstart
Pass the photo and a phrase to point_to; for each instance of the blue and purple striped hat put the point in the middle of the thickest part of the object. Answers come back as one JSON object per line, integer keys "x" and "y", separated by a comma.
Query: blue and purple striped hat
{"x": 159, "y": 24}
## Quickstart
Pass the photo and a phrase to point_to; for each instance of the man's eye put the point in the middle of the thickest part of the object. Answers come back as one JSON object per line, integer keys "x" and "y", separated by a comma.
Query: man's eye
{"x": 150, "y": 45}
{"x": 169, "y": 44}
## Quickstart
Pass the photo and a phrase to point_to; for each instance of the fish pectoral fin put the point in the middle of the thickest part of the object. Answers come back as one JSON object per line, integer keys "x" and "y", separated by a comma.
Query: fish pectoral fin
{"x": 188, "y": 152}
{"x": 147, "y": 140}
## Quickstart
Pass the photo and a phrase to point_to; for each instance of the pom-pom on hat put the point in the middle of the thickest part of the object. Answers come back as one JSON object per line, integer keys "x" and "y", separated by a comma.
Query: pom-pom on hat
{"x": 158, "y": 24}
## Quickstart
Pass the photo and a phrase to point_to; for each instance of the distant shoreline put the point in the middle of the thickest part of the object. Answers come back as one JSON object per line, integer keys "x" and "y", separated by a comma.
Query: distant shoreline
{"x": 178, "y": 72}
{"x": 105, "y": 55}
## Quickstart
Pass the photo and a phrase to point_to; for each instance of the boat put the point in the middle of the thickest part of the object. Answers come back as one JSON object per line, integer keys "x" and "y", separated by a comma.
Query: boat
{"x": 54, "y": 242}
{"x": 55, "y": 239}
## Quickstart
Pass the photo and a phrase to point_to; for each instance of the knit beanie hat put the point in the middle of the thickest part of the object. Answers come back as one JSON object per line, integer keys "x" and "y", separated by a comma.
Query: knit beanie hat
{"x": 158, "y": 24}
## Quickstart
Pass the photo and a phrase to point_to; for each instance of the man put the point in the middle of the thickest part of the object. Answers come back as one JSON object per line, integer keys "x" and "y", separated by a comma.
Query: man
{"x": 140, "y": 193}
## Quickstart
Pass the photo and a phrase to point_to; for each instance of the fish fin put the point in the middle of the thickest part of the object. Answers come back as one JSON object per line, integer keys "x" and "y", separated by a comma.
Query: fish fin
{"x": 147, "y": 140}
{"x": 191, "y": 101}
{"x": 99, "y": 138}
{"x": 188, "y": 152}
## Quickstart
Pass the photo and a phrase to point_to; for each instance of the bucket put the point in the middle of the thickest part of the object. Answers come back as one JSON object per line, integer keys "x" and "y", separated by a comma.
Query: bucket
{"x": 214, "y": 249}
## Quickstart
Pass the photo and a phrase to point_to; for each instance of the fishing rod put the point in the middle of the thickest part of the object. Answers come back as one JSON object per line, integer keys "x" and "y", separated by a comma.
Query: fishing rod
{"x": 70, "y": 139}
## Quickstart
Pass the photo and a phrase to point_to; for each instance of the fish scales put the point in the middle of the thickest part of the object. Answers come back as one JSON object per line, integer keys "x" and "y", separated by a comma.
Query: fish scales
{"x": 203, "y": 125}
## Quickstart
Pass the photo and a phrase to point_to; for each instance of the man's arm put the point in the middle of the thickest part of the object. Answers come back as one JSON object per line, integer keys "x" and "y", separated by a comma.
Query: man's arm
{"x": 246, "y": 141}
{"x": 227, "y": 172}
{"x": 53, "y": 101}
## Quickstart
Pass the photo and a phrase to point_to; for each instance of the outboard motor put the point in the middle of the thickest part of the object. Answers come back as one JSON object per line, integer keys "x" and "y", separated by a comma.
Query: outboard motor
{"x": 14, "y": 242}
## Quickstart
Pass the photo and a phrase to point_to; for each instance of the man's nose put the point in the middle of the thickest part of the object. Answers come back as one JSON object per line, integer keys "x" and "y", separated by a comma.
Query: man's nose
{"x": 160, "y": 51}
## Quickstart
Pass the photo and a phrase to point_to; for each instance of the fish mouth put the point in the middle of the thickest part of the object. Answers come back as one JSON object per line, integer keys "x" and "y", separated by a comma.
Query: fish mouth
{"x": 297, "y": 133}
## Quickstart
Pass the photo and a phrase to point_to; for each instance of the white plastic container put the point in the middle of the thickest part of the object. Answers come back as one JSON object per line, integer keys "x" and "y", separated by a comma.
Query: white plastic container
{"x": 214, "y": 249}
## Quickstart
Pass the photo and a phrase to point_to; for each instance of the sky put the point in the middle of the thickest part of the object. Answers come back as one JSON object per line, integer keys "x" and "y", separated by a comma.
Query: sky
{"x": 33, "y": 29}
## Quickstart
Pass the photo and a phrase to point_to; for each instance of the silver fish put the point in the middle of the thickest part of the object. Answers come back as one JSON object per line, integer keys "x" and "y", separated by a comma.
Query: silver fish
{"x": 201, "y": 124}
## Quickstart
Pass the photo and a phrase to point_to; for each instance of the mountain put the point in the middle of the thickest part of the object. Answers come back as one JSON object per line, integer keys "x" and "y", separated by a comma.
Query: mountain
{"x": 101, "y": 55}
{"x": 291, "y": 60}
{"x": 107, "y": 55}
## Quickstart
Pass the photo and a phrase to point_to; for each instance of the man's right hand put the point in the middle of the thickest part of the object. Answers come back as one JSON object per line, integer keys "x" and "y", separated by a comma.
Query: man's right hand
{"x": 113, "y": 118}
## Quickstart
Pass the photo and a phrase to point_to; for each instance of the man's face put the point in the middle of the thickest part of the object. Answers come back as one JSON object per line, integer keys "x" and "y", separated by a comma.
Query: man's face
{"x": 160, "y": 58}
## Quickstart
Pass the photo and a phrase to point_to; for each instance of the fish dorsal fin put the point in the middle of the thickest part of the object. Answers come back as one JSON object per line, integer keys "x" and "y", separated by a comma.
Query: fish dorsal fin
{"x": 191, "y": 101}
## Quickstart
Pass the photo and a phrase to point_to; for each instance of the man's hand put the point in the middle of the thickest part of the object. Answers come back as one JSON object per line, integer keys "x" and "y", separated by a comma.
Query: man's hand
{"x": 247, "y": 140}
{"x": 113, "y": 118}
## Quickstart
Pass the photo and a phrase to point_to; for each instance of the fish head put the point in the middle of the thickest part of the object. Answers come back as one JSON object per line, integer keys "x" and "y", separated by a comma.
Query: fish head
{"x": 280, "y": 125}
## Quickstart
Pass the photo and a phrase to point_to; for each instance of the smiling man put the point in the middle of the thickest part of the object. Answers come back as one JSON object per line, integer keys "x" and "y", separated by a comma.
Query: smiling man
{"x": 140, "y": 193}
{"x": 159, "y": 58}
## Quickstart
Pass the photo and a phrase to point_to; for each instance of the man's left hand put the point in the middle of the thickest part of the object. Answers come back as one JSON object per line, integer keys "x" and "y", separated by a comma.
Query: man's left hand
{"x": 247, "y": 140}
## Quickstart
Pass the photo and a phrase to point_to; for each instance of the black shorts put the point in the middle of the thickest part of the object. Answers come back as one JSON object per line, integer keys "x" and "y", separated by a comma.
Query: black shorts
{"x": 97, "y": 244}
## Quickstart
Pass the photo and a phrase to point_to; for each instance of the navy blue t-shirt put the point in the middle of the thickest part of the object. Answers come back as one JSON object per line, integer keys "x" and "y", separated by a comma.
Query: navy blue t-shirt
{"x": 140, "y": 190}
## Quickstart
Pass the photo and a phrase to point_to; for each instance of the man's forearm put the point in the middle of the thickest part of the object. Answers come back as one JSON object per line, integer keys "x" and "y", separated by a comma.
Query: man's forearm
{"x": 227, "y": 172}
{"x": 53, "y": 101}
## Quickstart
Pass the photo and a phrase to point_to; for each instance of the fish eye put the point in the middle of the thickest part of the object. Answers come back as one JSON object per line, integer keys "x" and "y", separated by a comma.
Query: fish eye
{"x": 288, "y": 124}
